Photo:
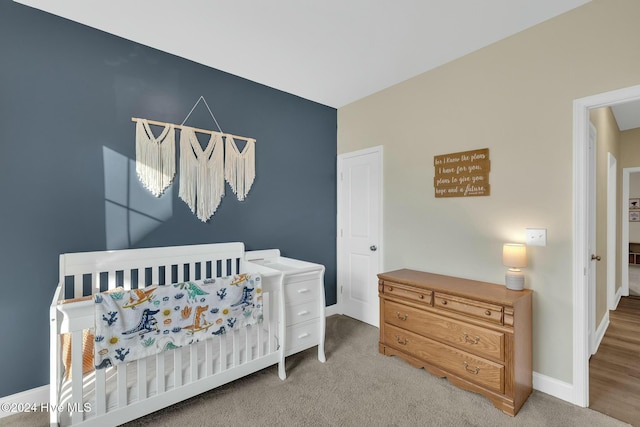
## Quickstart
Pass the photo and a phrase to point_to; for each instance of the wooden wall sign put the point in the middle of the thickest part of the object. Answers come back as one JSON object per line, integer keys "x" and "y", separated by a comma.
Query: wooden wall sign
{"x": 463, "y": 174}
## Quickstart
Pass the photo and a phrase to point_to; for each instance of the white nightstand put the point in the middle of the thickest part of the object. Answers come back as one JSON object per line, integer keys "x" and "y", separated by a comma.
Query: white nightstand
{"x": 303, "y": 284}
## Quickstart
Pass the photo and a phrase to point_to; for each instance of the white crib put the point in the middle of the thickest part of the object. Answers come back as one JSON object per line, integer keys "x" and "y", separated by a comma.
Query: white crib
{"x": 115, "y": 395}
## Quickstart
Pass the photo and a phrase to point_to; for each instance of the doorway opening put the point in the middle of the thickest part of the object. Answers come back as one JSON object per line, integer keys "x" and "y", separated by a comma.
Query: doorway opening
{"x": 582, "y": 232}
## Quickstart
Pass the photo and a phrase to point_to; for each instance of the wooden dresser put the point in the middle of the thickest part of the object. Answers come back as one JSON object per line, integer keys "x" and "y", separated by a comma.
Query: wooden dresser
{"x": 476, "y": 334}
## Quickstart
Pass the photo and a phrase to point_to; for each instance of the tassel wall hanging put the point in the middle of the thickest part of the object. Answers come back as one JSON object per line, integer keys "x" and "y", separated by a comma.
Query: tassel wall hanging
{"x": 202, "y": 172}
{"x": 240, "y": 167}
{"x": 155, "y": 157}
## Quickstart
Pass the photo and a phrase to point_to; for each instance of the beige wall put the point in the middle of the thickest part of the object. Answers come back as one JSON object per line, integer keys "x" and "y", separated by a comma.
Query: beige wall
{"x": 514, "y": 97}
{"x": 608, "y": 141}
{"x": 630, "y": 148}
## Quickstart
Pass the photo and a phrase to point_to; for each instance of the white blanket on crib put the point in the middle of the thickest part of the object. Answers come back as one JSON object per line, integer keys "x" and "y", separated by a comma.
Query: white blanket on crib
{"x": 140, "y": 322}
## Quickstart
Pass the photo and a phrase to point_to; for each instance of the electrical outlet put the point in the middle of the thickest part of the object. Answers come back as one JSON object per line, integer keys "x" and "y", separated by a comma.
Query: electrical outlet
{"x": 536, "y": 237}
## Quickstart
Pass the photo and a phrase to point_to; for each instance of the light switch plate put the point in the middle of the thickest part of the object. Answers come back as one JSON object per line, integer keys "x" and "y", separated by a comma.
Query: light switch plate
{"x": 536, "y": 237}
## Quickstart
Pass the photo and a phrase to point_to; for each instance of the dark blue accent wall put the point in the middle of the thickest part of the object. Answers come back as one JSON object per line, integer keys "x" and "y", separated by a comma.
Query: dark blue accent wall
{"x": 67, "y": 96}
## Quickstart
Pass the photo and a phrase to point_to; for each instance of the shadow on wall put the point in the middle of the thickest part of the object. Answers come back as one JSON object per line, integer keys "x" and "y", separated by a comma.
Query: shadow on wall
{"x": 131, "y": 212}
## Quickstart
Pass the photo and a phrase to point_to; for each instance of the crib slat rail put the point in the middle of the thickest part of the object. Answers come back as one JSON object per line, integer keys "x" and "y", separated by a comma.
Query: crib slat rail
{"x": 121, "y": 393}
{"x": 122, "y": 386}
{"x": 160, "y": 378}
{"x": 193, "y": 350}
{"x": 142, "y": 378}
{"x": 177, "y": 367}
{"x": 76, "y": 375}
{"x": 101, "y": 402}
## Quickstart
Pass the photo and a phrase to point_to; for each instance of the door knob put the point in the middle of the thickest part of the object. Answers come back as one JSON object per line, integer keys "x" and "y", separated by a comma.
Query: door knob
{"x": 596, "y": 257}
{"x": 373, "y": 248}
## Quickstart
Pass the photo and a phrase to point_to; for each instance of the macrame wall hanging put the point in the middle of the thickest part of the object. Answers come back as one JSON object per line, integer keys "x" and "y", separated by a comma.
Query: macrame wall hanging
{"x": 203, "y": 172}
{"x": 240, "y": 167}
{"x": 155, "y": 157}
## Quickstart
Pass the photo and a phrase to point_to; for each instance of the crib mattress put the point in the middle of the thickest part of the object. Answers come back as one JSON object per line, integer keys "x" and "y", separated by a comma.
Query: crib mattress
{"x": 244, "y": 341}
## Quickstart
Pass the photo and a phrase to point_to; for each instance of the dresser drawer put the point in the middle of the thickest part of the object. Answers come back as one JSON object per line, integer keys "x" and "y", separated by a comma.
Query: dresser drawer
{"x": 474, "y": 339}
{"x": 303, "y": 335}
{"x": 414, "y": 294}
{"x": 460, "y": 363}
{"x": 302, "y": 312}
{"x": 308, "y": 290}
{"x": 481, "y": 310}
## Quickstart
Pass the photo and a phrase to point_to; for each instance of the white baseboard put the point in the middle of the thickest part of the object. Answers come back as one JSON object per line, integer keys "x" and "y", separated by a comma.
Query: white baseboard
{"x": 602, "y": 328}
{"x": 36, "y": 396}
{"x": 553, "y": 387}
{"x": 617, "y": 298}
{"x": 331, "y": 310}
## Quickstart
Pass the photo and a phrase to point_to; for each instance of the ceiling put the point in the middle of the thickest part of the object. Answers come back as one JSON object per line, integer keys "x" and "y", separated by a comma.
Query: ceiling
{"x": 329, "y": 51}
{"x": 627, "y": 115}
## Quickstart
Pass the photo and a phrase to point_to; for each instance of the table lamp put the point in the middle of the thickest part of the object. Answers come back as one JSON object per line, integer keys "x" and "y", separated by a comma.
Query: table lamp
{"x": 514, "y": 256}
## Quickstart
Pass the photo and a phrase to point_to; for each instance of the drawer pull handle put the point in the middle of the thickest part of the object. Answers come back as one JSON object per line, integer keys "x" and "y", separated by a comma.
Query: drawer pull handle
{"x": 444, "y": 302}
{"x": 470, "y": 340}
{"x": 401, "y": 341}
{"x": 401, "y": 316}
{"x": 390, "y": 288}
{"x": 421, "y": 296}
{"x": 303, "y": 312}
{"x": 306, "y": 334}
{"x": 488, "y": 312}
{"x": 471, "y": 371}
{"x": 303, "y": 291}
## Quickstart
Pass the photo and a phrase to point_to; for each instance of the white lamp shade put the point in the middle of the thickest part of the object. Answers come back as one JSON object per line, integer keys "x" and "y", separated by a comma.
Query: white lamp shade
{"x": 514, "y": 255}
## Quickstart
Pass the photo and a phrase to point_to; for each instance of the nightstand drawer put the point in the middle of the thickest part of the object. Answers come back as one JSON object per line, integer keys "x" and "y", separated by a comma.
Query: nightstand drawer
{"x": 298, "y": 292}
{"x": 303, "y": 335}
{"x": 473, "y": 339}
{"x": 481, "y": 310}
{"x": 302, "y": 312}
{"x": 460, "y": 363}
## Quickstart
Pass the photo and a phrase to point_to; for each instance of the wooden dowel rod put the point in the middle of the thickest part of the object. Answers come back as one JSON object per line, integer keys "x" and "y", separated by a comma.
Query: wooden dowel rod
{"x": 211, "y": 132}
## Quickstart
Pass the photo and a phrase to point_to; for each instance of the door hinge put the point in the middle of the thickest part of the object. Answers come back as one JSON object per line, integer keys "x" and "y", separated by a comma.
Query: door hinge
{"x": 341, "y": 288}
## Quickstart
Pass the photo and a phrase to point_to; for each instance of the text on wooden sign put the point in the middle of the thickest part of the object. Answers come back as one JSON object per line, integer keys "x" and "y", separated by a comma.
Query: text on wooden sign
{"x": 462, "y": 174}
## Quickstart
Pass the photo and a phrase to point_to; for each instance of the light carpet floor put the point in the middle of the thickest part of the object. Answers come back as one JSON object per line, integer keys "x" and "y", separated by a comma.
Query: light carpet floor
{"x": 356, "y": 386}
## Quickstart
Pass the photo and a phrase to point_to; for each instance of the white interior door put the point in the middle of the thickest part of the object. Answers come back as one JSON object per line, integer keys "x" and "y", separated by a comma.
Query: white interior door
{"x": 612, "y": 224}
{"x": 591, "y": 241}
{"x": 359, "y": 233}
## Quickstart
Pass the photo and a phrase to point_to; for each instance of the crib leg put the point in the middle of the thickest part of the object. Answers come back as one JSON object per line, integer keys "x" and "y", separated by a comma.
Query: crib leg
{"x": 323, "y": 326}
{"x": 282, "y": 373}
{"x": 321, "y": 356}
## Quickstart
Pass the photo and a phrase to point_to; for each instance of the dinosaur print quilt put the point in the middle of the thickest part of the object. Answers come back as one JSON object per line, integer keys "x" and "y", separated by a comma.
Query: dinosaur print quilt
{"x": 132, "y": 324}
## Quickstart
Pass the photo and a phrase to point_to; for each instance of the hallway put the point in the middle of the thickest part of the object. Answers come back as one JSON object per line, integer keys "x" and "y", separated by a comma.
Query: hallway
{"x": 614, "y": 371}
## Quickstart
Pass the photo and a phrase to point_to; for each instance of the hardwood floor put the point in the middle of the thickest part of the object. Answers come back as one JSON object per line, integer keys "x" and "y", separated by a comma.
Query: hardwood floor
{"x": 614, "y": 371}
